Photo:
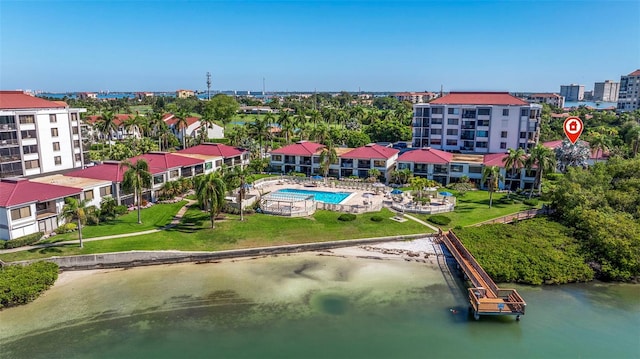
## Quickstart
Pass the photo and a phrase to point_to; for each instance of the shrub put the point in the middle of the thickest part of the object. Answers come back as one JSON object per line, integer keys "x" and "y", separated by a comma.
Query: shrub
{"x": 122, "y": 209}
{"x": 347, "y": 217}
{"x": 457, "y": 228}
{"x": 439, "y": 219}
{"x": 23, "y": 241}
{"x": 66, "y": 228}
{"x": 22, "y": 284}
{"x": 531, "y": 202}
{"x": 377, "y": 218}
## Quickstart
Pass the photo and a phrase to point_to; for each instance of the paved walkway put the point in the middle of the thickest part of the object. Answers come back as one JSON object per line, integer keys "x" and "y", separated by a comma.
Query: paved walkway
{"x": 174, "y": 222}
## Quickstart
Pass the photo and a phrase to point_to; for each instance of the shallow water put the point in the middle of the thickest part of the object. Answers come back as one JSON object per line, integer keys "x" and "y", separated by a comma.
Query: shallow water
{"x": 309, "y": 306}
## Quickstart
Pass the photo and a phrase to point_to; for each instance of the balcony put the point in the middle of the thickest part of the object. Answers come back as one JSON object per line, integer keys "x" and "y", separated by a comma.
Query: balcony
{"x": 468, "y": 126}
{"x": 346, "y": 164}
{"x": 10, "y": 158}
{"x": 364, "y": 164}
{"x": 8, "y": 127}
{"x": 9, "y": 142}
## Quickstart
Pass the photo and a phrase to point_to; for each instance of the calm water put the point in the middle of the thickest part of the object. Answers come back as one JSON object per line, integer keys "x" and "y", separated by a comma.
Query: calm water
{"x": 320, "y": 196}
{"x": 309, "y": 306}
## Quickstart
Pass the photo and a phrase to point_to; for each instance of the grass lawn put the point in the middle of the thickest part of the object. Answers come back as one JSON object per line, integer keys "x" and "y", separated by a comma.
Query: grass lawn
{"x": 254, "y": 177}
{"x": 258, "y": 230}
{"x": 153, "y": 217}
{"x": 473, "y": 208}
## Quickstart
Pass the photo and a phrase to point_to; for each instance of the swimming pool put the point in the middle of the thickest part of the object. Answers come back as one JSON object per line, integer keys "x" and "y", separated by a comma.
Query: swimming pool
{"x": 320, "y": 196}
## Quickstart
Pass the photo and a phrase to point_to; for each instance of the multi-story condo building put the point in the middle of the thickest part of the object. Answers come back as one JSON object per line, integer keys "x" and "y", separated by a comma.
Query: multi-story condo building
{"x": 415, "y": 97}
{"x": 476, "y": 122}
{"x": 38, "y": 136}
{"x": 606, "y": 91}
{"x": 572, "y": 92}
{"x": 552, "y": 99}
{"x": 629, "y": 98}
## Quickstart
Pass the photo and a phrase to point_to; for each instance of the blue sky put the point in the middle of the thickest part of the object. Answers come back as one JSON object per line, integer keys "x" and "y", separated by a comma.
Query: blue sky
{"x": 307, "y": 45}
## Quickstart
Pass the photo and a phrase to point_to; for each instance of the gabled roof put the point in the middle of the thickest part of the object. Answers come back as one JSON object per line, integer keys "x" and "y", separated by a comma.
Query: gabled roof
{"x": 119, "y": 118}
{"x": 494, "y": 159}
{"x": 635, "y": 73}
{"x": 547, "y": 95}
{"x": 371, "y": 151}
{"x": 22, "y": 191}
{"x": 214, "y": 149}
{"x": 479, "y": 98}
{"x": 10, "y": 100}
{"x": 302, "y": 148}
{"x": 426, "y": 155}
{"x": 172, "y": 120}
{"x": 162, "y": 161}
{"x": 109, "y": 171}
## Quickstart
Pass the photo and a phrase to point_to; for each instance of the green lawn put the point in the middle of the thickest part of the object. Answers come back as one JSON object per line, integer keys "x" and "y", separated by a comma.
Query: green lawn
{"x": 257, "y": 176}
{"x": 156, "y": 216}
{"x": 473, "y": 208}
{"x": 257, "y": 230}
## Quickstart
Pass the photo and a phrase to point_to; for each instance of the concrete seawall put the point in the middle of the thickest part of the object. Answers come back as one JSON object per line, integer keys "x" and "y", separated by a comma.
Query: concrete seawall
{"x": 146, "y": 258}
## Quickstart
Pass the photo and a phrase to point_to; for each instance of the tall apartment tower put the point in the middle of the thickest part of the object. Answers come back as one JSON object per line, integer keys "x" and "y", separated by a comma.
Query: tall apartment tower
{"x": 606, "y": 91}
{"x": 38, "y": 136}
{"x": 628, "y": 97}
{"x": 572, "y": 92}
{"x": 476, "y": 122}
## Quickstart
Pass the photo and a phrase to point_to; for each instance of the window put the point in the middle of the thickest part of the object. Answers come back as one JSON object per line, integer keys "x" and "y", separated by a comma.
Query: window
{"x": 77, "y": 157}
{"x": 505, "y": 112}
{"x": 27, "y": 119}
{"x": 158, "y": 179}
{"x": 523, "y": 135}
{"x": 174, "y": 173}
{"x": 20, "y": 212}
{"x": 105, "y": 191}
{"x": 56, "y": 146}
{"x": 454, "y": 111}
{"x": 58, "y": 160}
{"x": 482, "y": 134}
{"x": 379, "y": 163}
{"x": 503, "y": 145}
{"x": 74, "y": 130}
{"x": 28, "y": 134}
{"x": 452, "y": 132}
{"x": 481, "y": 144}
{"x": 74, "y": 117}
{"x": 452, "y": 121}
{"x": 31, "y": 164}
{"x": 503, "y": 134}
{"x": 457, "y": 168}
{"x": 54, "y": 132}
{"x": 419, "y": 112}
{"x": 316, "y": 159}
{"x": 452, "y": 142}
{"x": 484, "y": 111}
{"x": 276, "y": 158}
{"x": 30, "y": 149}
{"x": 436, "y": 121}
{"x": 436, "y": 111}
{"x": 218, "y": 163}
{"x": 53, "y": 118}
{"x": 524, "y": 112}
{"x": 483, "y": 122}
{"x": 475, "y": 169}
{"x": 436, "y": 131}
{"x": 208, "y": 165}
{"x": 436, "y": 141}
{"x": 88, "y": 195}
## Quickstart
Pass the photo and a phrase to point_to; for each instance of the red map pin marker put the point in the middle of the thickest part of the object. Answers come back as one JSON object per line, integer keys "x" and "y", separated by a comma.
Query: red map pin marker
{"x": 573, "y": 127}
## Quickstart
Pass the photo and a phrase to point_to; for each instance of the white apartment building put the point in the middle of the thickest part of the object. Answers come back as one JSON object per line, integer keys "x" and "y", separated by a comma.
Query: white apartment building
{"x": 415, "y": 97}
{"x": 606, "y": 91}
{"x": 552, "y": 99}
{"x": 476, "y": 122}
{"x": 38, "y": 136}
{"x": 572, "y": 92}
{"x": 628, "y": 98}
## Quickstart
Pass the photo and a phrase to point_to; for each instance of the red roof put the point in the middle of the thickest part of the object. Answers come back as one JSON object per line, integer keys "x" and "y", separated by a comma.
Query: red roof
{"x": 20, "y": 100}
{"x": 108, "y": 171}
{"x": 213, "y": 149}
{"x": 120, "y": 119}
{"x": 548, "y": 95}
{"x": 494, "y": 159}
{"x": 172, "y": 120}
{"x": 22, "y": 191}
{"x": 371, "y": 151}
{"x": 161, "y": 161}
{"x": 635, "y": 73}
{"x": 302, "y": 148}
{"x": 479, "y": 98}
{"x": 426, "y": 155}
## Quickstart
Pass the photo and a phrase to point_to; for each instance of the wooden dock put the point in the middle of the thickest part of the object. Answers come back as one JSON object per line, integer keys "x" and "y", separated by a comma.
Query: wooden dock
{"x": 485, "y": 297}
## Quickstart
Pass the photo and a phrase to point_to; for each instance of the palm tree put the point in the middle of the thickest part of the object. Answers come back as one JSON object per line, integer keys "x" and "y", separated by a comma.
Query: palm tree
{"x": 287, "y": 124}
{"x": 210, "y": 190}
{"x": 182, "y": 124}
{"x": 633, "y": 139}
{"x": 491, "y": 175}
{"x": 599, "y": 142}
{"x": 327, "y": 157}
{"x": 374, "y": 174}
{"x": 545, "y": 160}
{"x": 107, "y": 125}
{"x": 75, "y": 210}
{"x": 514, "y": 161}
{"x": 136, "y": 178}
{"x": 241, "y": 175}
{"x": 260, "y": 130}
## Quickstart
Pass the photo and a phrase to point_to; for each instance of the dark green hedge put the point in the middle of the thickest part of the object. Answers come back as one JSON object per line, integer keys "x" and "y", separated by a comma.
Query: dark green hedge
{"x": 347, "y": 217}
{"x": 377, "y": 218}
{"x": 439, "y": 219}
{"x": 22, "y": 241}
{"x": 22, "y": 284}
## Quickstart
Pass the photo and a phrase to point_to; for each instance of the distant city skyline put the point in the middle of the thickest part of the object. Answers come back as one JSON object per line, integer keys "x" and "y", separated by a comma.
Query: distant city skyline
{"x": 516, "y": 46}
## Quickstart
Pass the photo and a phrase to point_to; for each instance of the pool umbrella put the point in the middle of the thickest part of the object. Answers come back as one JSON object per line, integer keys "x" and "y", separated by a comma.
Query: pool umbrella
{"x": 446, "y": 194}
{"x": 317, "y": 178}
{"x": 396, "y": 191}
